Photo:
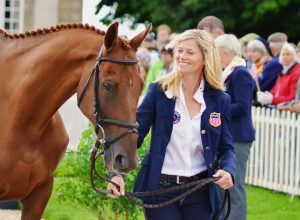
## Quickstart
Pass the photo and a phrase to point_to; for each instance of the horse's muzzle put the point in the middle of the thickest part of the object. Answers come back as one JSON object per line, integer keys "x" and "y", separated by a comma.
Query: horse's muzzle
{"x": 119, "y": 162}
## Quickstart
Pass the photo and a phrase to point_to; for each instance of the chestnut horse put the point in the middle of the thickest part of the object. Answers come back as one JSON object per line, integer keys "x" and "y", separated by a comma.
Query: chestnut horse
{"x": 39, "y": 71}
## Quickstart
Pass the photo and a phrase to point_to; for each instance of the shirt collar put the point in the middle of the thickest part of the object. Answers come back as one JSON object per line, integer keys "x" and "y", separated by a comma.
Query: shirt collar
{"x": 199, "y": 93}
{"x": 198, "y": 96}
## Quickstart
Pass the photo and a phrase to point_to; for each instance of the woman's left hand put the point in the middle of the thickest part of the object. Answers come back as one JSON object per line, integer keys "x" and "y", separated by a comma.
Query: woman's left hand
{"x": 225, "y": 182}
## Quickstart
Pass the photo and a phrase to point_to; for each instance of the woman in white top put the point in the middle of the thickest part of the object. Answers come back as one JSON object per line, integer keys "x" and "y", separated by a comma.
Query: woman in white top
{"x": 189, "y": 116}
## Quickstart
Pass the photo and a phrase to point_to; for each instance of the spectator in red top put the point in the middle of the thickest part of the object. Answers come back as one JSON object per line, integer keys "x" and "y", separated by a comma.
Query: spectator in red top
{"x": 286, "y": 84}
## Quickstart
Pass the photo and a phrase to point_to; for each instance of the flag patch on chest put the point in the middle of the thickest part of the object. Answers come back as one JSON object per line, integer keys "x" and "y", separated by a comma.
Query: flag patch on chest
{"x": 215, "y": 119}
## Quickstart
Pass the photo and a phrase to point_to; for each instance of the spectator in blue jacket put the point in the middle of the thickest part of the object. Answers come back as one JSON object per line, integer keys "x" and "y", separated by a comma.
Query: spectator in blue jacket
{"x": 273, "y": 68}
{"x": 239, "y": 85}
{"x": 189, "y": 114}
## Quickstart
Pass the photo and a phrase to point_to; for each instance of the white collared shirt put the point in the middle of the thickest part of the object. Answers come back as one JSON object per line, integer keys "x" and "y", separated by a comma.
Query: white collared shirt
{"x": 184, "y": 153}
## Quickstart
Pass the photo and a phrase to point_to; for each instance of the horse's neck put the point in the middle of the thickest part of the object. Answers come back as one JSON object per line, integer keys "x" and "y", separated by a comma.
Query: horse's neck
{"x": 49, "y": 72}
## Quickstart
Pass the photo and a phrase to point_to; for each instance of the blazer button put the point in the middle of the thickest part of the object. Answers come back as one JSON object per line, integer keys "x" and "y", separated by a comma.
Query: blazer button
{"x": 207, "y": 148}
{"x": 203, "y": 131}
{"x": 210, "y": 165}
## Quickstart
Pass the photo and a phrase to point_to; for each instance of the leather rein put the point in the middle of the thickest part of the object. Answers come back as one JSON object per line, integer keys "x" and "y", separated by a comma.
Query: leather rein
{"x": 132, "y": 128}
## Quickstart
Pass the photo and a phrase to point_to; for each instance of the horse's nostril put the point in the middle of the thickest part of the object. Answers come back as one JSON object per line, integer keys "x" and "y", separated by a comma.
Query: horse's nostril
{"x": 121, "y": 161}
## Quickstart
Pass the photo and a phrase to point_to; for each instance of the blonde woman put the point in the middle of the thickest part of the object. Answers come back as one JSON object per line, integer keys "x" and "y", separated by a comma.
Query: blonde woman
{"x": 189, "y": 114}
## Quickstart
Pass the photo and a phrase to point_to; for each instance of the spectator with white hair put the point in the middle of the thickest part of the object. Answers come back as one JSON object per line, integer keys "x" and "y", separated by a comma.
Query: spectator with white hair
{"x": 286, "y": 84}
{"x": 239, "y": 85}
{"x": 258, "y": 56}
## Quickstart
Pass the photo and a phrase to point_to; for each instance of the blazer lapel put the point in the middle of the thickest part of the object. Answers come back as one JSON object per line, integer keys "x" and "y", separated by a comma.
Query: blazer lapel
{"x": 170, "y": 107}
{"x": 210, "y": 105}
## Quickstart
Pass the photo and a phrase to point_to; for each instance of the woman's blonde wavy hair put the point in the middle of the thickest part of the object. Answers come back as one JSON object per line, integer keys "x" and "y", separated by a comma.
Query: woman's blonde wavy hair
{"x": 211, "y": 70}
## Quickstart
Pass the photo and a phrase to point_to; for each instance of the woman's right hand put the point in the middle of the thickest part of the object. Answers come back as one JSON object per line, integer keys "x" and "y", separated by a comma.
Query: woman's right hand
{"x": 114, "y": 191}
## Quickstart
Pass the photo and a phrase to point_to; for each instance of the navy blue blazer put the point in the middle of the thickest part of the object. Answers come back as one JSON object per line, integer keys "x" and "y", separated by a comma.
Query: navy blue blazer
{"x": 156, "y": 112}
{"x": 269, "y": 75}
{"x": 239, "y": 86}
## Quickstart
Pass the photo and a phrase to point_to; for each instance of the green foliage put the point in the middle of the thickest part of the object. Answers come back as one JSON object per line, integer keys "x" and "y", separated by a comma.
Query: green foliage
{"x": 239, "y": 16}
{"x": 72, "y": 182}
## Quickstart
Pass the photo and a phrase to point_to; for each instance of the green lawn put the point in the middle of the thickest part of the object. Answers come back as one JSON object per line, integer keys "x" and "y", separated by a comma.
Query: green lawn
{"x": 267, "y": 205}
{"x": 262, "y": 205}
{"x": 67, "y": 211}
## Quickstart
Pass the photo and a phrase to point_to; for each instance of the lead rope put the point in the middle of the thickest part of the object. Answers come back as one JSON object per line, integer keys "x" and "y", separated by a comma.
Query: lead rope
{"x": 131, "y": 196}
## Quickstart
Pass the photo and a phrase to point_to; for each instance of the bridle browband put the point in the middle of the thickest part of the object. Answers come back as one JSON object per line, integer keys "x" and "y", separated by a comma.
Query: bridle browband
{"x": 100, "y": 119}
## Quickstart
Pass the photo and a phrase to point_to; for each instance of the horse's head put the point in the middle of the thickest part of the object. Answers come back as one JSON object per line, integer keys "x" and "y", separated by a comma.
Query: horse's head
{"x": 115, "y": 92}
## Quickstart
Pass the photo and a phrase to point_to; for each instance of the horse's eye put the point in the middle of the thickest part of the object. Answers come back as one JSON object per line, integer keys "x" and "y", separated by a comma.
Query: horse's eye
{"x": 108, "y": 87}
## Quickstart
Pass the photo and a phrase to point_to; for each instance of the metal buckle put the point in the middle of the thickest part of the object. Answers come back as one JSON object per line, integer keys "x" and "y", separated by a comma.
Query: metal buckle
{"x": 178, "y": 180}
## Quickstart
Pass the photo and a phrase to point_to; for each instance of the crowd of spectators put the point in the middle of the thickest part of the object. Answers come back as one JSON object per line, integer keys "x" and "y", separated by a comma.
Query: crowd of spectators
{"x": 273, "y": 63}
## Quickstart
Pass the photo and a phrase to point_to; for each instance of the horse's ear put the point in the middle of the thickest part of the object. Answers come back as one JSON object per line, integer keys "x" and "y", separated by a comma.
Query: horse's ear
{"x": 111, "y": 35}
{"x": 138, "y": 39}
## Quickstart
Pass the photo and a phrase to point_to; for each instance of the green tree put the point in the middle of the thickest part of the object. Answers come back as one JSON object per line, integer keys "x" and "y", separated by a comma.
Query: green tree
{"x": 239, "y": 16}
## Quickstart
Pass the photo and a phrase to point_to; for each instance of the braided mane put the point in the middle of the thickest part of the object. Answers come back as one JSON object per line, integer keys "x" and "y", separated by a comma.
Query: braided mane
{"x": 52, "y": 29}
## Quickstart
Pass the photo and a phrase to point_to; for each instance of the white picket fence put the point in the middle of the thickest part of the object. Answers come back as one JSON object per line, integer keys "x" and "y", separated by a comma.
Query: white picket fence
{"x": 274, "y": 161}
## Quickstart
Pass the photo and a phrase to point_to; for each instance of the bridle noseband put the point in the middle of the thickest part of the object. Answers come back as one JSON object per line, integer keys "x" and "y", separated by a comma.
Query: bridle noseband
{"x": 100, "y": 119}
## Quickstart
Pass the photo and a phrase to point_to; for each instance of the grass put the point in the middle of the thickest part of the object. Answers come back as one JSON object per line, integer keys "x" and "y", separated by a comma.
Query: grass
{"x": 268, "y": 205}
{"x": 262, "y": 205}
{"x": 67, "y": 211}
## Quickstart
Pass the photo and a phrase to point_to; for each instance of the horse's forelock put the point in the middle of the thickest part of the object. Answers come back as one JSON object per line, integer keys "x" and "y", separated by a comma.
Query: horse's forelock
{"x": 125, "y": 43}
{"x": 52, "y": 29}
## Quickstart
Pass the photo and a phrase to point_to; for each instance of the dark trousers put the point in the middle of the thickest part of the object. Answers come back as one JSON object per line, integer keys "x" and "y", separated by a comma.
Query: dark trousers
{"x": 194, "y": 207}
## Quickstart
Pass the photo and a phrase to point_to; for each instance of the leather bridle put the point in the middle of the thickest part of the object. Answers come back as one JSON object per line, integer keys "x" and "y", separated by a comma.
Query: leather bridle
{"x": 100, "y": 119}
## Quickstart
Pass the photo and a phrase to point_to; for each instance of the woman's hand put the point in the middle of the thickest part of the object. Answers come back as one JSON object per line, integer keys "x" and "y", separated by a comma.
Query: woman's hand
{"x": 114, "y": 191}
{"x": 225, "y": 182}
